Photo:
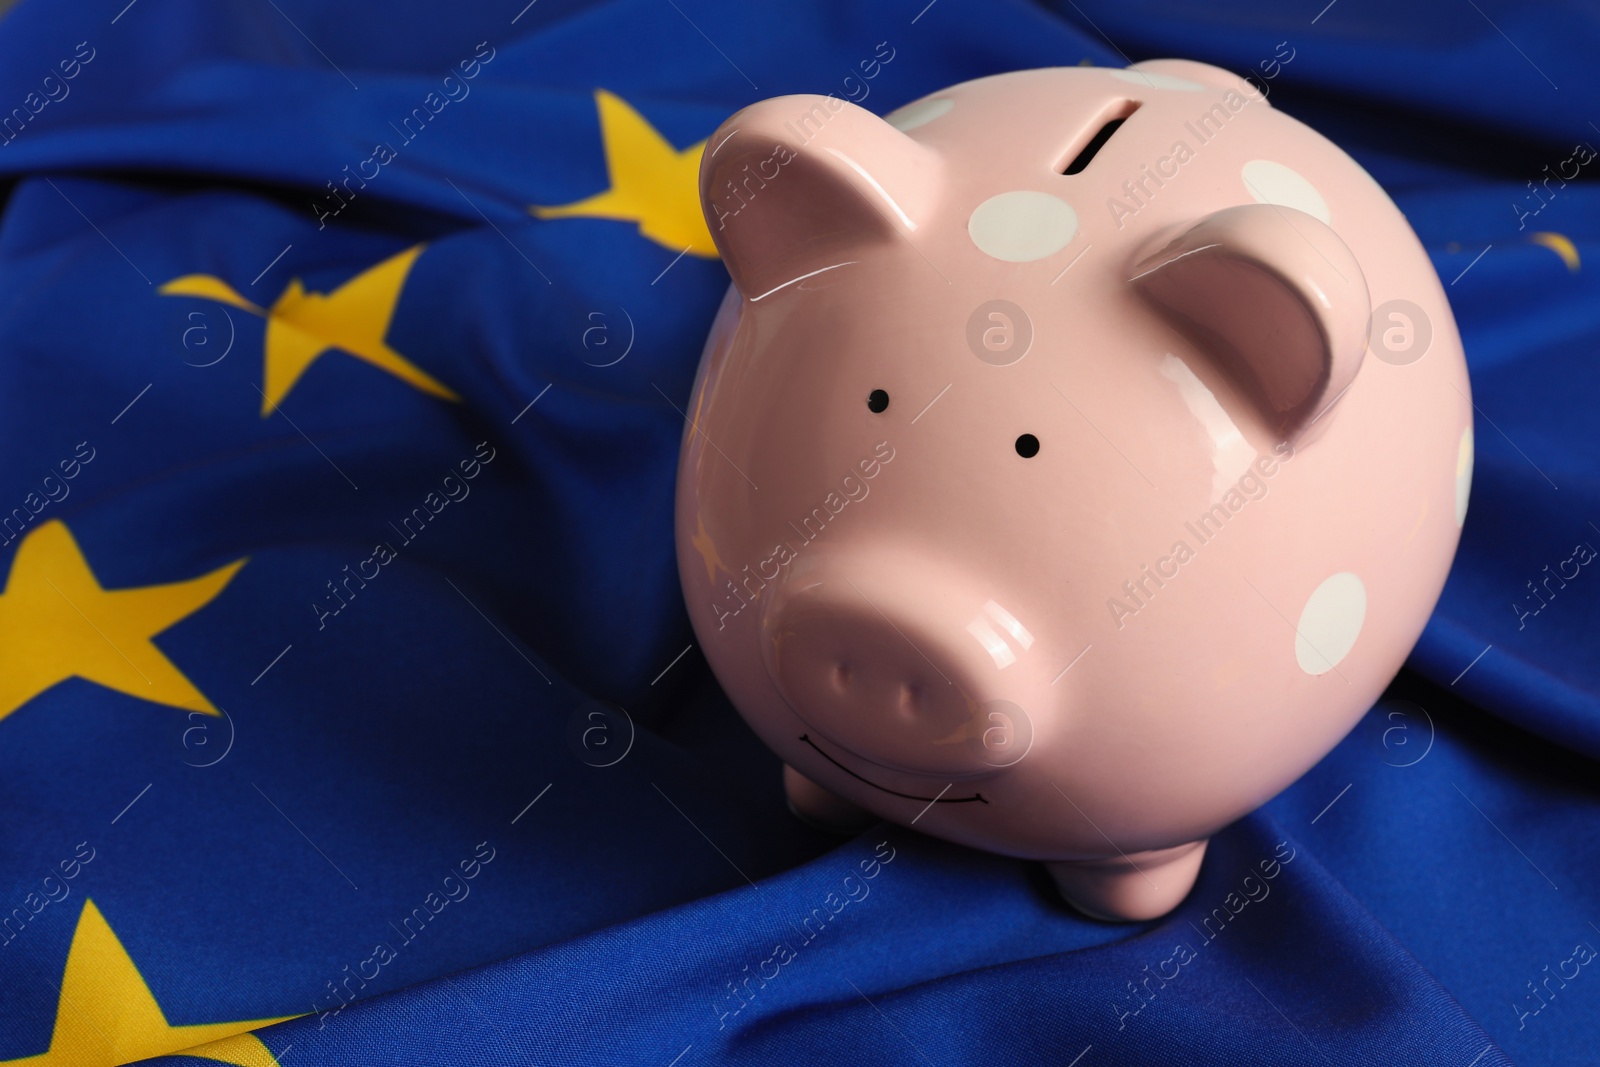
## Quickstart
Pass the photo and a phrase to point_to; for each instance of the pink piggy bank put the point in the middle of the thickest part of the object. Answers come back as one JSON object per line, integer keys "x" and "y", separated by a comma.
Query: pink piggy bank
{"x": 1076, "y": 457}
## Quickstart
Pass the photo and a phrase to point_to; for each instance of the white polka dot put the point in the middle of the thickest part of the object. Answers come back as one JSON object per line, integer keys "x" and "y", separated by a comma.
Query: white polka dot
{"x": 1152, "y": 80}
{"x": 1274, "y": 183}
{"x": 1330, "y": 623}
{"x": 919, "y": 113}
{"x": 1023, "y": 226}
{"x": 1463, "y": 475}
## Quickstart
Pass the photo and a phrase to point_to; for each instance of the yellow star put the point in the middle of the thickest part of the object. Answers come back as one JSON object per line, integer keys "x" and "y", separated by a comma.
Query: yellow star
{"x": 107, "y": 1014}
{"x": 1561, "y": 245}
{"x": 57, "y": 622}
{"x": 302, "y": 325}
{"x": 652, "y": 183}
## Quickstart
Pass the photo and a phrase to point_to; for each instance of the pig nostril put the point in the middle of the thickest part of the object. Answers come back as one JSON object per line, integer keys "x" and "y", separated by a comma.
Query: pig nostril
{"x": 841, "y": 675}
{"x": 908, "y": 699}
{"x": 878, "y": 401}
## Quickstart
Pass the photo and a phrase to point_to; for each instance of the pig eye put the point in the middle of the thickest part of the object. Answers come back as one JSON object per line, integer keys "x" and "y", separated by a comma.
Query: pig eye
{"x": 1027, "y": 446}
{"x": 877, "y": 400}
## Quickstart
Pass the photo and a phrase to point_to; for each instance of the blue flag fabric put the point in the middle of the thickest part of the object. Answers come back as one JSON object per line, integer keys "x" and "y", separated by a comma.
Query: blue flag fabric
{"x": 349, "y": 712}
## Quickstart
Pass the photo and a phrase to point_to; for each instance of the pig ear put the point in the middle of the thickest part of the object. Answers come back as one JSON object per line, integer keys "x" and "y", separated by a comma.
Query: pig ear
{"x": 1276, "y": 296}
{"x": 798, "y": 184}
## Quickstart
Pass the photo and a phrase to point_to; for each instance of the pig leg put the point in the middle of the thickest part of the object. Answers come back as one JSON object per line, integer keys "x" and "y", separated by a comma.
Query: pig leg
{"x": 1145, "y": 885}
{"x": 821, "y": 809}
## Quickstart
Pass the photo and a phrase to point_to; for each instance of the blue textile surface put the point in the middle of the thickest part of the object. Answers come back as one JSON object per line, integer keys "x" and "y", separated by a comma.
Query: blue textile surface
{"x": 269, "y": 769}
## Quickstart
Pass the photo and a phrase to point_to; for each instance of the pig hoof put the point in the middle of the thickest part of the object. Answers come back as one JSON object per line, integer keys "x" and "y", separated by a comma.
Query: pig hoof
{"x": 820, "y": 809}
{"x": 1145, "y": 885}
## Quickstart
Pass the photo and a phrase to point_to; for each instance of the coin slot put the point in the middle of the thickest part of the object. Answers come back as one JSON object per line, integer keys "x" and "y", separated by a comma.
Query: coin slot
{"x": 1118, "y": 116}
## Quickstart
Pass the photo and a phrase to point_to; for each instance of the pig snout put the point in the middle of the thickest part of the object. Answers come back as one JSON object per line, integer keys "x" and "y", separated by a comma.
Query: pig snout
{"x": 896, "y": 673}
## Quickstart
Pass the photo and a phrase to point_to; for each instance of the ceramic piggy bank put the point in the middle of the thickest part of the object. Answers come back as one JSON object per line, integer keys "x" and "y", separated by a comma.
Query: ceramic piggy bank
{"x": 1076, "y": 457}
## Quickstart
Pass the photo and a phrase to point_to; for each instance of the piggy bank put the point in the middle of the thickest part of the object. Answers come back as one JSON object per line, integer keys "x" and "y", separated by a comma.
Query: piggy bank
{"x": 1076, "y": 456}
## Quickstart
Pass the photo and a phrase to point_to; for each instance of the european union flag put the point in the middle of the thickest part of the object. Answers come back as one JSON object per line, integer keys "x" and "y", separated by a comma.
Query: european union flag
{"x": 349, "y": 711}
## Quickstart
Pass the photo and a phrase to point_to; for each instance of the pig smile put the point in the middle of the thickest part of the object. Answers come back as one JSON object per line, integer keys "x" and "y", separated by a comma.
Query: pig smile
{"x": 941, "y": 799}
